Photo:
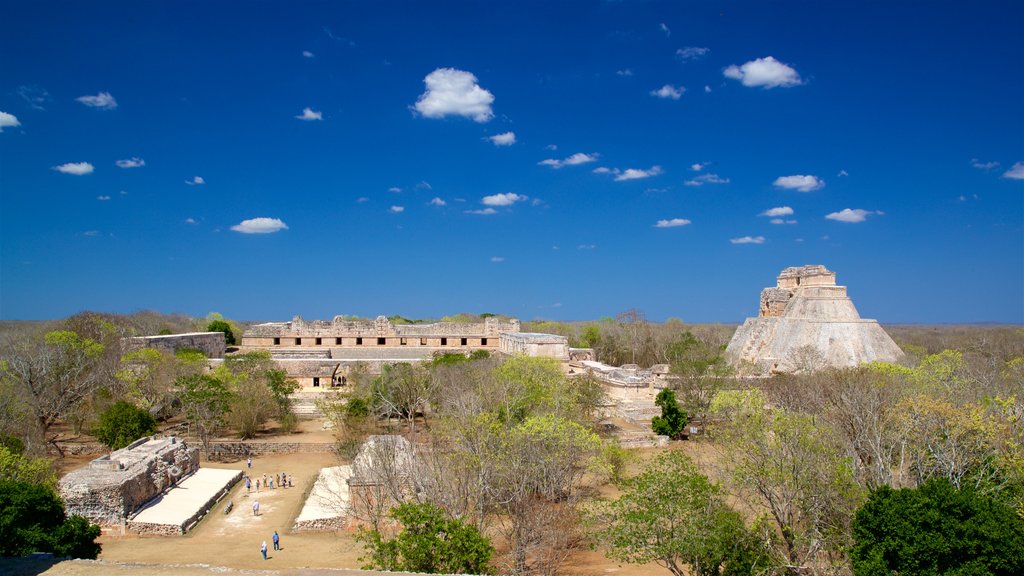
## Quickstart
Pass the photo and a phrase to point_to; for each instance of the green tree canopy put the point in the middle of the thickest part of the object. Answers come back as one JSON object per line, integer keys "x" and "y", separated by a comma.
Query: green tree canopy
{"x": 672, "y": 420}
{"x": 122, "y": 424}
{"x": 936, "y": 530}
{"x": 222, "y": 326}
{"x": 32, "y": 520}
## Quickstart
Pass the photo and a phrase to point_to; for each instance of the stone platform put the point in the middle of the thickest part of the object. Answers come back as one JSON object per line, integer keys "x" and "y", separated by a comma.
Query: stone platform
{"x": 326, "y": 507}
{"x": 178, "y": 509}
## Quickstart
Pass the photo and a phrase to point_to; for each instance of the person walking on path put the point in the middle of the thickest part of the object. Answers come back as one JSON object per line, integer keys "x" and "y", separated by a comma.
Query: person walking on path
{"x": 263, "y": 549}
{"x": 256, "y": 508}
{"x": 277, "y": 541}
{"x": 248, "y": 484}
{"x": 249, "y": 462}
{"x": 257, "y": 485}
{"x": 290, "y": 478}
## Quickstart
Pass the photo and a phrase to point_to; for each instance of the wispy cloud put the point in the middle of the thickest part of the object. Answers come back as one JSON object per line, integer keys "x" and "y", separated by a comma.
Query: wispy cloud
{"x": 497, "y": 259}
{"x": 260, "y": 225}
{"x": 800, "y": 183}
{"x": 505, "y": 199}
{"x": 308, "y": 54}
{"x": 984, "y": 165}
{"x": 436, "y": 201}
{"x": 665, "y": 29}
{"x": 782, "y": 221}
{"x": 8, "y": 121}
{"x": 692, "y": 53}
{"x": 764, "y": 72}
{"x": 75, "y": 168}
{"x": 1016, "y": 172}
{"x": 587, "y": 247}
{"x": 778, "y": 211}
{"x": 424, "y": 185}
{"x": 103, "y": 198}
{"x": 748, "y": 240}
{"x": 195, "y": 181}
{"x": 310, "y": 114}
{"x": 672, "y": 223}
{"x": 34, "y": 96}
{"x": 574, "y": 160}
{"x": 698, "y": 166}
{"x": 852, "y": 215}
{"x": 843, "y": 174}
{"x": 669, "y": 91}
{"x": 362, "y": 200}
{"x": 452, "y": 92}
{"x": 133, "y": 162}
{"x": 396, "y": 209}
{"x": 191, "y": 221}
{"x": 103, "y": 100}
{"x": 505, "y": 139}
{"x": 638, "y": 173}
{"x": 483, "y": 212}
{"x": 706, "y": 179}
{"x": 624, "y": 72}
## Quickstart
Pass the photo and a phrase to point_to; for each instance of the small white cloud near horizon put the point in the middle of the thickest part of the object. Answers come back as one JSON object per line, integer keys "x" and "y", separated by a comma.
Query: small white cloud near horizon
{"x": 669, "y": 91}
{"x": 195, "y": 181}
{"x": 505, "y": 199}
{"x": 437, "y": 201}
{"x": 484, "y": 212}
{"x": 75, "y": 168}
{"x": 706, "y": 179}
{"x": 638, "y": 173}
{"x": 396, "y": 209}
{"x": 692, "y": 53}
{"x": 362, "y": 200}
{"x": 504, "y": 139}
{"x": 8, "y": 121}
{"x": 497, "y": 259}
{"x": 800, "y": 183}
{"x": 308, "y": 54}
{"x": 190, "y": 221}
{"x": 309, "y": 114}
{"x": 672, "y": 223}
{"x": 103, "y": 198}
{"x": 261, "y": 225}
{"x": 394, "y": 189}
{"x": 778, "y": 211}
{"x": 852, "y": 215}
{"x": 1016, "y": 172}
{"x": 747, "y": 240}
{"x": 133, "y": 162}
{"x": 624, "y": 72}
{"x": 781, "y": 221}
{"x": 698, "y": 166}
{"x": 984, "y": 165}
{"x": 103, "y": 101}
{"x": 765, "y": 72}
{"x": 452, "y": 92}
{"x": 574, "y": 160}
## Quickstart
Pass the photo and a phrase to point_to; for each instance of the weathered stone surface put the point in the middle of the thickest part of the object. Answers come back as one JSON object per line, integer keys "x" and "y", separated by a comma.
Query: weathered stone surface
{"x": 807, "y": 322}
{"x": 111, "y": 488}
{"x": 210, "y": 343}
{"x": 534, "y": 344}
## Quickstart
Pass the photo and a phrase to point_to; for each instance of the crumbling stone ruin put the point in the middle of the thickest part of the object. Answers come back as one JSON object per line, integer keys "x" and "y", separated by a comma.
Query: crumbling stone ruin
{"x": 807, "y": 323}
{"x": 112, "y": 488}
{"x": 212, "y": 344}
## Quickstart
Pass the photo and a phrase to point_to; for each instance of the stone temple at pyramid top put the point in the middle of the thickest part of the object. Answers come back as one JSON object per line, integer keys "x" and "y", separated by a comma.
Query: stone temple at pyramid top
{"x": 805, "y": 323}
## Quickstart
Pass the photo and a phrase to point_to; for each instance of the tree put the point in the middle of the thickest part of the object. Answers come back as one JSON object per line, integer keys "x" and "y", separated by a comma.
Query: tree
{"x": 259, "y": 390}
{"x": 16, "y": 466}
{"x": 149, "y": 375}
{"x": 32, "y": 519}
{"x": 222, "y": 326}
{"x": 674, "y": 516}
{"x": 937, "y": 530}
{"x": 205, "y": 400}
{"x": 672, "y": 421}
{"x": 429, "y": 542}
{"x": 122, "y": 424}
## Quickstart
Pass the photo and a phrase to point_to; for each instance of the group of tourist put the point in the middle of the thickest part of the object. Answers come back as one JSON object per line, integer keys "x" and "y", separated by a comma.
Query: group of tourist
{"x": 269, "y": 481}
{"x": 277, "y": 544}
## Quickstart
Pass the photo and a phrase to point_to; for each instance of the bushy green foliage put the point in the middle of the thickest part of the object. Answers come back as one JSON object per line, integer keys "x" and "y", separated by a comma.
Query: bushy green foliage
{"x": 16, "y": 466}
{"x": 936, "y": 530}
{"x": 122, "y": 424}
{"x": 673, "y": 419}
{"x": 222, "y": 326}
{"x": 429, "y": 542}
{"x": 32, "y": 520}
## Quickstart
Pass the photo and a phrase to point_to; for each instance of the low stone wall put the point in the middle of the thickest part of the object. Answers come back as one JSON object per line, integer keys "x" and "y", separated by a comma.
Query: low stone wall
{"x": 321, "y": 524}
{"x": 151, "y": 528}
{"x": 258, "y": 448}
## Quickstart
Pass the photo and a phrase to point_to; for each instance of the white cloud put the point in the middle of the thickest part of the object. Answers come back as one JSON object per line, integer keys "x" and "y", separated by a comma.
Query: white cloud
{"x": 362, "y": 200}
{"x": 91, "y": 233}
{"x": 133, "y": 162}
{"x": 664, "y": 28}
{"x": 190, "y": 221}
{"x": 34, "y": 96}
{"x": 692, "y": 52}
{"x": 1016, "y": 172}
{"x": 394, "y": 189}
{"x": 260, "y": 226}
{"x": 484, "y": 212}
{"x": 669, "y": 91}
{"x": 782, "y": 221}
{"x": 586, "y": 247}
{"x": 308, "y": 54}
{"x": 706, "y": 179}
{"x": 843, "y": 174}
{"x": 452, "y": 92}
{"x": 396, "y": 209}
{"x": 604, "y": 170}
{"x": 778, "y": 211}
{"x": 984, "y": 165}
{"x": 102, "y": 100}
{"x": 103, "y": 198}
{"x": 195, "y": 181}
{"x": 707, "y": 89}
{"x": 551, "y": 147}
{"x": 852, "y": 215}
{"x": 309, "y": 114}
{"x": 574, "y": 160}
{"x": 424, "y": 185}
{"x": 506, "y": 199}
{"x": 497, "y": 259}
{"x": 800, "y": 183}
{"x": 697, "y": 167}
{"x": 438, "y": 202}
{"x": 75, "y": 168}
{"x": 748, "y": 240}
{"x": 506, "y": 139}
{"x": 637, "y": 173}
{"x": 672, "y": 223}
{"x": 766, "y": 72}
{"x": 8, "y": 121}
{"x": 624, "y": 72}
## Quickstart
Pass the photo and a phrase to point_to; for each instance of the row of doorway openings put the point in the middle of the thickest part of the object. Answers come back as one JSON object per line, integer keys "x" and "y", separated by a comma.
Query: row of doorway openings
{"x": 383, "y": 341}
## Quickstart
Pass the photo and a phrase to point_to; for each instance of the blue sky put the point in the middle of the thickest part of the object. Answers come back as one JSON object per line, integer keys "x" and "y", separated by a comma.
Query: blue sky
{"x": 563, "y": 160}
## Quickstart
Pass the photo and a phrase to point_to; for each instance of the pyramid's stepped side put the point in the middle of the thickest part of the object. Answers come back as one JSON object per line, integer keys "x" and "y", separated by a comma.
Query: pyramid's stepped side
{"x": 806, "y": 320}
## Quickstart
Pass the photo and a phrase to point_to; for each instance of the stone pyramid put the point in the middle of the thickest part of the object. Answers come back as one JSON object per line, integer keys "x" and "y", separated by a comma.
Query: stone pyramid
{"x": 807, "y": 322}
